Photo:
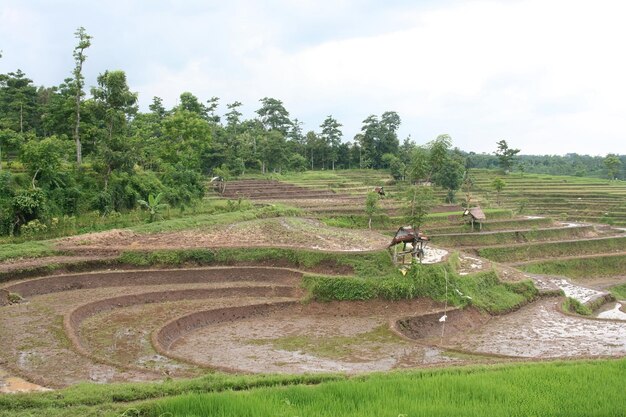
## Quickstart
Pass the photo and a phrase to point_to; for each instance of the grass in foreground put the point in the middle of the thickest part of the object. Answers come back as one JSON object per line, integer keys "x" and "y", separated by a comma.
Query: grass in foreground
{"x": 112, "y": 399}
{"x": 553, "y": 389}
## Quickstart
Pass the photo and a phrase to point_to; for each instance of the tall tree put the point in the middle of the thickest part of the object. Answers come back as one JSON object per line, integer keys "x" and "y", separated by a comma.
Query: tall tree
{"x": 84, "y": 42}
{"x": 18, "y": 102}
{"x": 613, "y": 165}
{"x": 332, "y": 137}
{"x": 274, "y": 116}
{"x": 115, "y": 100}
{"x": 506, "y": 155}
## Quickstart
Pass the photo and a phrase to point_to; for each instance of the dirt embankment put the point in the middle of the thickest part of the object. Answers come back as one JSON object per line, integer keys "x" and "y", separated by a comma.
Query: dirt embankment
{"x": 46, "y": 285}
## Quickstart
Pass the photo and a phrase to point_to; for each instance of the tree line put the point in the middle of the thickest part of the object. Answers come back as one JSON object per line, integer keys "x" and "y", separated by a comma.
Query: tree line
{"x": 67, "y": 151}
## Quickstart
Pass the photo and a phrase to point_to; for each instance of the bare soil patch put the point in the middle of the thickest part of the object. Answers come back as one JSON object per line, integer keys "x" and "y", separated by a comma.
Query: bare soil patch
{"x": 274, "y": 232}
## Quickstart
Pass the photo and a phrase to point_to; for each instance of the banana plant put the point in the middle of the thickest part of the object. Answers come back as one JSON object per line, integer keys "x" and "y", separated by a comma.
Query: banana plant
{"x": 154, "y": 206}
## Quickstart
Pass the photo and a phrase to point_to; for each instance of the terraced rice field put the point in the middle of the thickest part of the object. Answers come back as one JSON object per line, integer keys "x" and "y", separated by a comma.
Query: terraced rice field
{"x": 254, "y": 316}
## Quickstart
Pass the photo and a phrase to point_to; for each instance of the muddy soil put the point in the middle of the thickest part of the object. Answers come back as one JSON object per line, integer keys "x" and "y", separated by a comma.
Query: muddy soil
{"x": 539, "y": 330}
{"x": 328, "y": 337}
{"x": 275, "y": 232}
{"x": 39, "y": 348}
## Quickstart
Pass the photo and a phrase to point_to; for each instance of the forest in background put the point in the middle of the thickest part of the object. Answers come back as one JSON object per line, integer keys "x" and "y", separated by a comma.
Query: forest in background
{"x": 66, "y": 151}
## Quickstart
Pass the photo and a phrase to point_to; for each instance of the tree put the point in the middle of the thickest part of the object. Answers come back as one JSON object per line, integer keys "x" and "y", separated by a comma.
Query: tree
{"x": 397, "y": 169}
{"x": 43, "y": 159}
{"x": 84, "y": 42}
{"x": 115, "y": 100}
{"x": 371, "y": 207}
{"x": 498, "y": 184}
{"x": 468, "y": 184}
{"x": 274, "y": 116}
{"x": 233, "y": 116}
{"x": 419, "y": 168}
{"x": 153, "y": 205}
{"x": 506, "y": 156}
{"x": 18, "y": 102}
{"x": 613, "y": 165}
{"x": 419, "y": 201}
{"x": 331, "y": 134}
{"x": 449, "y": 176}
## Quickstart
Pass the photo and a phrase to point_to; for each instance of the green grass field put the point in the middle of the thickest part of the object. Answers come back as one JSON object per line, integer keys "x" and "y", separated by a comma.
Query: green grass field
{"x": 574, "y": 388}
{"x": 555, "y": 389}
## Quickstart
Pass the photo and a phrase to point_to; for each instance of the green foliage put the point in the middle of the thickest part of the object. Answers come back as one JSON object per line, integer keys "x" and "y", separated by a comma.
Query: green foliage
{"x": 574, "y": 306}
{"x": 613, "y": 165}
{"x": 506, "y": 156}
{"x": 483, "y": 290}
{"x": 25, "y": 250}
{"x": 619, "y": 291}
{"x": 419, "y": 201}
{"x": 154, "y": 206}
{"x": 105, "y": 396}
{"x": 545, "y": 389}
{"x": 371, "y": 206}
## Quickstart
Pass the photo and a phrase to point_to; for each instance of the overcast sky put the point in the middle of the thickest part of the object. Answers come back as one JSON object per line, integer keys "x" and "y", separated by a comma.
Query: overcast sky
{"x": 549, "y": 76}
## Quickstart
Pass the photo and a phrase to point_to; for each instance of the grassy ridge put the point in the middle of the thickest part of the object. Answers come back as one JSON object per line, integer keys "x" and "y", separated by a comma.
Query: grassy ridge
{"x": 239, "y": 213}
{"x": 26, "y": 250}
{"x": 362, "y": 264}
{"x": 553, "y": 249}
{"x": 553, "y": 389}
{"x": 485, "y": 289}
{"x": 601, "y": 266}
{"x": 501, "y": 238}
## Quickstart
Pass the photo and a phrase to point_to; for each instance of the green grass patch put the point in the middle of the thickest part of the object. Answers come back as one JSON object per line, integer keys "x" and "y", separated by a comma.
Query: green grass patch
{"x": 548, "y": 389}
{"x": 483, "y": 290}
{"x": 553, "y": 249}
{"x": 110, "y": 399}
{"x": 574, "y": 306}
{"x": 601, "y": 266}
{"x": 619, "y": 291}
{"x": 26, "y": 250}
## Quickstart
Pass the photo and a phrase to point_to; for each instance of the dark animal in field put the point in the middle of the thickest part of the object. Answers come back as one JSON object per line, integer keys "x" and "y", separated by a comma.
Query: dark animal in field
{"x": 380, "y": 191}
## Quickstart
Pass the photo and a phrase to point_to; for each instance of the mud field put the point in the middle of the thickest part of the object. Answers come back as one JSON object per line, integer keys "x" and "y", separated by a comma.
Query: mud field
{"x": 146, "y": 325}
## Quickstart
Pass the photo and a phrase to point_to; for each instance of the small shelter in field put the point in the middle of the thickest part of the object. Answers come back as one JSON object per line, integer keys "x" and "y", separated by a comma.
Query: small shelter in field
{"x": 475, "y": 214}
{"x": 404, "y": 235}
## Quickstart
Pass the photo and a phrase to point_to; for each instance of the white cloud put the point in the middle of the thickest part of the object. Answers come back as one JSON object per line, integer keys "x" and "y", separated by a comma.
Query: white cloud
{"x": 548, "y": 76}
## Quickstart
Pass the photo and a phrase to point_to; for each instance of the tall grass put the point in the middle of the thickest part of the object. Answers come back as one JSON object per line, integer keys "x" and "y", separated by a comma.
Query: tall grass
{"x": 553, "y": 389}
{"x": 483, "y": 290}
{"x": 103, "y": 395}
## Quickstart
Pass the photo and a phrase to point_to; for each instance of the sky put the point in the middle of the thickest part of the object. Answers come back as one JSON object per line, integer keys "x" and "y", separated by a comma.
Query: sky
{"x": 548, "y": 76}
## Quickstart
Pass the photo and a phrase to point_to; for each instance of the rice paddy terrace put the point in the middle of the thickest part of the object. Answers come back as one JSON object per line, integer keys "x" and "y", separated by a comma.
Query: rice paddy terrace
{"x": 239, "y": 307}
